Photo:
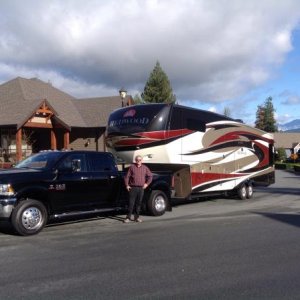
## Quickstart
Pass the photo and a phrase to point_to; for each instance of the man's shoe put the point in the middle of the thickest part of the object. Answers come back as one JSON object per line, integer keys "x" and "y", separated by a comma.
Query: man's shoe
{"x": 138, "y": 220}
{"x": 126, "y": 220}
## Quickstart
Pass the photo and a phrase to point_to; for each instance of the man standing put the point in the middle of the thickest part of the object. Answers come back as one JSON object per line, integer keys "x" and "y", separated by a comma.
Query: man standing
{"x": 137, "y": 179}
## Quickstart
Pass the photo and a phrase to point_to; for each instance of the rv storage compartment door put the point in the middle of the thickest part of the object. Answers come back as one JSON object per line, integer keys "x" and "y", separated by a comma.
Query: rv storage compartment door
{"x": 182, "y": 182}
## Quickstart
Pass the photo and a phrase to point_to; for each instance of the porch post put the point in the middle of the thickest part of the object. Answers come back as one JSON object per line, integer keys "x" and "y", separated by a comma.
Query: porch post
{"x": 66, "y": 139}
{"x": 19, "y": 145}
{"x": 53, "y": 140}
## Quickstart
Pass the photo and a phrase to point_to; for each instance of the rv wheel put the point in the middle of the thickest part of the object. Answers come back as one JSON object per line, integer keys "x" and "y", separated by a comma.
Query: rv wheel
{"x": 242, "y": 192}
{"x": 249, "y": 191}
{"x": 157, "y": 203}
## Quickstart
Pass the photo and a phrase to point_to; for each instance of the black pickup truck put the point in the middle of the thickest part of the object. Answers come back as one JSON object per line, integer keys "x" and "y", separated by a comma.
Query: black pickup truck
{"x": 56, "y": 184}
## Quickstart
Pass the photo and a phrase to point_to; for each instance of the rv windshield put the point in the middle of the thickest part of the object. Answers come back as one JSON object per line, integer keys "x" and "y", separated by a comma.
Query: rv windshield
{"x": 134, "y": 119}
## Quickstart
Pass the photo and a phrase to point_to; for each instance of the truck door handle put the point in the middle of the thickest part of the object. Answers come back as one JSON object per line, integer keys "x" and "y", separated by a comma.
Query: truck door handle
{"x": 84, "y": 178}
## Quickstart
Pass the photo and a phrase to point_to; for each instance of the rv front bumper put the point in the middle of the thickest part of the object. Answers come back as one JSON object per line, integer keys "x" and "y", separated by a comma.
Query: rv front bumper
{"x": 6, "y": 207}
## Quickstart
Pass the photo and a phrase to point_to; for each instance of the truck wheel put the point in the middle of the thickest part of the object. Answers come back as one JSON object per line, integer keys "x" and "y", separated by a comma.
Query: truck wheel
{"x": 242, "y": 192}
{"x": 249, "y": 192}
{"x": 157, "y": 203}
{"x": 29, "y": 217}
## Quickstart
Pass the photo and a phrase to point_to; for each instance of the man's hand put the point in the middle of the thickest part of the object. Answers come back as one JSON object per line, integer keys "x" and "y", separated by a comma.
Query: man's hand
{"x": 145, "y": 186}
{"x": 128, "y": 188}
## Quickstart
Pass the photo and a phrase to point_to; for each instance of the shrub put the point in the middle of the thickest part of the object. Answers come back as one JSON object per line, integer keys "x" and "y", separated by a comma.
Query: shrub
{"x": 297, "y": 168}
{"x": 280, "y": 166}
{"x": 280, "y": 154}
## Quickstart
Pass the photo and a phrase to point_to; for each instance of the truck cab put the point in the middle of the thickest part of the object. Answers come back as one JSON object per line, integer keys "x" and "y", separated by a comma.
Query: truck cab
{"x": 58, "y": 183}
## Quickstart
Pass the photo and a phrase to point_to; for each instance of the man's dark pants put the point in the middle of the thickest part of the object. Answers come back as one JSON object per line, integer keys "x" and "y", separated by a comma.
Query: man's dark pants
{"x": 135, "y": 201}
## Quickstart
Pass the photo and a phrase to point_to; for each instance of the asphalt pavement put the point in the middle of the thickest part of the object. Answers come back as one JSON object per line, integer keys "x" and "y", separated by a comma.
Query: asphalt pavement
{"x": 216, "y": 249}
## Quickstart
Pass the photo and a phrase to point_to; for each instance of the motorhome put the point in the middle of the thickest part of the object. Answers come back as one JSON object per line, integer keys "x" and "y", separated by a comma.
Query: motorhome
{"x": 208, "y": 153}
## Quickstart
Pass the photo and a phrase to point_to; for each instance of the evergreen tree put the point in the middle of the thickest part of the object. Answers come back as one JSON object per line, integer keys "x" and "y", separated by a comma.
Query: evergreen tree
{"x": 269, "y": 119}
{"x": 137, "y": 99}
{"x": 227, "y": 112}
{"x": 158, "y": 88}
{"x": 260, "y": 118}
{"x": 265, "y": 119}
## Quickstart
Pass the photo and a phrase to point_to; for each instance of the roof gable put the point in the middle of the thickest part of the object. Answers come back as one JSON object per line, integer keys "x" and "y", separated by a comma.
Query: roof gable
{"x": 20, "y": 97}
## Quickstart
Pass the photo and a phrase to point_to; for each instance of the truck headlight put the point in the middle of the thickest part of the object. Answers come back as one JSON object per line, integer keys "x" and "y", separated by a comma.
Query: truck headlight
{"x": 6, "y": 190}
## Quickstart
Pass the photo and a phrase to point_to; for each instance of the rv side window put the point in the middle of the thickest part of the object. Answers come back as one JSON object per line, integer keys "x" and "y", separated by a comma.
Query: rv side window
{"x": 195, "y": 124}
{"x": 186, "y": 118}
{"x": 176, "y": 120}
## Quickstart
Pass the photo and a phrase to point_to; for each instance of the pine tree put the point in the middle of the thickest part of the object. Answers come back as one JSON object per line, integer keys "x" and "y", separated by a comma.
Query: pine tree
{"x": 269, "y": 119}
{"x": 227, "y": 112}
{"x": 137, "y": 99}
{"x": 260, "y": 117}
{"x": 265, "y": 119}
{"x": 158, "y": 88}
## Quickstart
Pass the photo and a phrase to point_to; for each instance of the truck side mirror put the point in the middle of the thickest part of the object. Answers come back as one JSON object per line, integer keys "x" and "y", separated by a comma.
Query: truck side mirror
{"x": 76, "y": 165}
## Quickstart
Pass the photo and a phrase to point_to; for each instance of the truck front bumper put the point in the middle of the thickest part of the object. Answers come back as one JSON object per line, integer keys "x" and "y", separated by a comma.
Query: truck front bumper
{"x": 6, "y": 207}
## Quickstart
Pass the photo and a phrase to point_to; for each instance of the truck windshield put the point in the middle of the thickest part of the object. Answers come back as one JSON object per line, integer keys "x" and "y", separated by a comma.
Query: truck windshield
{"x": 135, "y": 119}
{"x": 42, "y": 160}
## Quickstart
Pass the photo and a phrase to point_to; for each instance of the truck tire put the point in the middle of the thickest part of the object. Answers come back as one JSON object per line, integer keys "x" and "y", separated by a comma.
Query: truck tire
{"x": 242, "y": 192}
{"x": 29, "y": 217}
{"x": 249, "y": 191}
{"x": 157, "y": 203}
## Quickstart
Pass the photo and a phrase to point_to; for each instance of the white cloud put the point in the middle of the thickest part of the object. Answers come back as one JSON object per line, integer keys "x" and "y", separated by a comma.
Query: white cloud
{"x": 289, "y": 98}
{"x": 211, "y": 50}
{"x": 292, "y": 100}
{"x": 284, "y": 118}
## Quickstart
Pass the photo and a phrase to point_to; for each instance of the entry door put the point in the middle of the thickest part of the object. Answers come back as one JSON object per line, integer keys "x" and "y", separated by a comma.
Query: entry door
{"x": 41, "y": 139}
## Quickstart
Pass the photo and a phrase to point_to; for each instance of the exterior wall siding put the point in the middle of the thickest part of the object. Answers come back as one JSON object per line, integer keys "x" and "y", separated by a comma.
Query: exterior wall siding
{"x": 87, "y": 139}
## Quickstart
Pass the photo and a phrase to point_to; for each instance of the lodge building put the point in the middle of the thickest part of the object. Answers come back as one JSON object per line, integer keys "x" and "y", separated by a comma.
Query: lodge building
{"x": 36, "y": 116}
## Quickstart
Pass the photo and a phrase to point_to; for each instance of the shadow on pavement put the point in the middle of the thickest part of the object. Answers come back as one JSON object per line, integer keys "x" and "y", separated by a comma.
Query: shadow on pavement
{"x": 291, "y": 219}
{"x": 82, "y": 219}
{"x": 279, "y": 190}
{"x": 6, "y": 228}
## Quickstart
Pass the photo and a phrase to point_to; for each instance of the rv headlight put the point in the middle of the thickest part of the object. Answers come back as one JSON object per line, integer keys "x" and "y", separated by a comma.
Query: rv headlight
{"x": 6, "y": 190}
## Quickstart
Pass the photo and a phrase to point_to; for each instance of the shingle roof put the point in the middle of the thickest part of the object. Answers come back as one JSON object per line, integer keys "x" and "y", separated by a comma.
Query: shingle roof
{"x": 95, "y": 111}
{"x": 286, "y": 139}
{"x": 20, "y": 97}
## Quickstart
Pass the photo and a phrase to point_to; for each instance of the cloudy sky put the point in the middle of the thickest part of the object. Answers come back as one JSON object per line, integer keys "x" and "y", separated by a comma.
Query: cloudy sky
{"x": 216, "y": 53}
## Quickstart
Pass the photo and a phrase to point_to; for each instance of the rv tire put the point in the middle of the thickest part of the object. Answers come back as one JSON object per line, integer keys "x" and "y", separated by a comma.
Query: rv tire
{"x": 242, "y": 192}
{"x": 157, "y": 203}
{"x": 249, "y": 191}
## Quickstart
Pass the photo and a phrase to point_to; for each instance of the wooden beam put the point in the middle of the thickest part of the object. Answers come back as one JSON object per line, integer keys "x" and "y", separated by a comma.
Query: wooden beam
{"x": 66, "y": 139}
{"x": 37, "y": 125}
{"x": 19, "y": 145}
{"x": 53, "y": 140}
{"x": 44, "y": 111}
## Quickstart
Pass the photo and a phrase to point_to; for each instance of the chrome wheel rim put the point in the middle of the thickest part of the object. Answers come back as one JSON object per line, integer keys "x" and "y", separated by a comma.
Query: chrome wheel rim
{"x": 160, "y": 203}
{"x": 244, "y": 192}
{"x": 32, "y": 218}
